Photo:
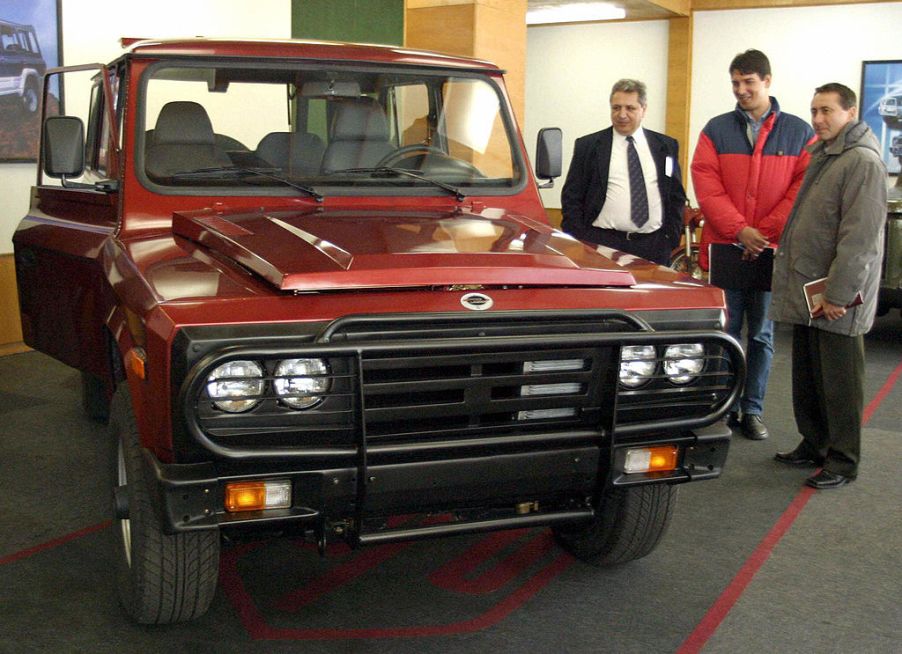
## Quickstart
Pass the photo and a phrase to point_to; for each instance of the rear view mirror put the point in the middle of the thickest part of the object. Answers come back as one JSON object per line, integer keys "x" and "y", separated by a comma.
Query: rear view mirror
{"x": 64, "y": 147}
{"x": 548, "y": 155}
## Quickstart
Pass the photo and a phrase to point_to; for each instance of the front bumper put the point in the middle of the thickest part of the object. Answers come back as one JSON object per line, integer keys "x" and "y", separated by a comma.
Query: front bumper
{"x": 556, "y": 485}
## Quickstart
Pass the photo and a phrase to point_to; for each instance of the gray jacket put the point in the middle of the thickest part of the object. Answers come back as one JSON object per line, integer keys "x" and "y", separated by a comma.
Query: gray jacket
{"x": 835, "y": 231}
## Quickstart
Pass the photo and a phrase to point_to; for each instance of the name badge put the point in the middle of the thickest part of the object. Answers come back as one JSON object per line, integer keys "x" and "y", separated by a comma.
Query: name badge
{"x": 668, "y": 166}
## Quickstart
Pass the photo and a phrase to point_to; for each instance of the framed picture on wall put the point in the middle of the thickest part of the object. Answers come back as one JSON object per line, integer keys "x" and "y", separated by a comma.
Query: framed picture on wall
{"x": 881, "y": 107}
{"x": 30, "y": 43}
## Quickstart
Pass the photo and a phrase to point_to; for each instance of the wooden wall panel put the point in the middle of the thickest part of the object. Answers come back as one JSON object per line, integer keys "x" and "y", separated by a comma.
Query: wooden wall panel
{"x": 679, "y": 84}
{"x": 445, "y": 28}
{"x": 10, "y": 329}
{"x": 501, "y": 38}
{"x": 487, "y": 29}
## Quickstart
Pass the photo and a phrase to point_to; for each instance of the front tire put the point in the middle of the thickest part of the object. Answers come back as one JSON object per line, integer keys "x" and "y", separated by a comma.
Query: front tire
{"x": 31, "y": 97}
{"x": 160, "y": 578}
{"x": 628, "y": 525}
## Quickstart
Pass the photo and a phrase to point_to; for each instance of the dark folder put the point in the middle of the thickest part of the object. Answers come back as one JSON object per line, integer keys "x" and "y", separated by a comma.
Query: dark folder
{"x": 727, "y": 269}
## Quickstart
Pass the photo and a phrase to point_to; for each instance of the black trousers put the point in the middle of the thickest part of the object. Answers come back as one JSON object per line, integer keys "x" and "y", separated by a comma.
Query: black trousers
{"x": 653, "y": 246}
{"x": 828, "y": 396}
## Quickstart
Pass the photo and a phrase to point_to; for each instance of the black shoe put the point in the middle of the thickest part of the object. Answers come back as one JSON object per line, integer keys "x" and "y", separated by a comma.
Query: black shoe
{"x": 797, "y": 457}
{"x": 826, "y": 479}
{"x": 753, "y": 427}
{"x": 733, "y": 419}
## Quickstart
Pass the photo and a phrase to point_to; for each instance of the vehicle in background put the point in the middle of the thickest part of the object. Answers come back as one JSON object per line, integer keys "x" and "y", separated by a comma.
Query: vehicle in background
{"x": 21, "y": 65}
{"x": 314, "y": 287}
{"x": 890, "y": 109}
{"x": 890, "y": 296}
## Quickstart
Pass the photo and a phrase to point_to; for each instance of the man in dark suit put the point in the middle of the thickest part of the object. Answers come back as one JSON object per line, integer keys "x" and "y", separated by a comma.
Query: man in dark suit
{"x": 624, "y": 188}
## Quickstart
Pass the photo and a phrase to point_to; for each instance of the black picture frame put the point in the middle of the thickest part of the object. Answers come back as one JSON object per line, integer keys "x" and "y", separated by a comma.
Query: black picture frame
{"x": 30, "y": 43}
{"x": 881, "y": 108}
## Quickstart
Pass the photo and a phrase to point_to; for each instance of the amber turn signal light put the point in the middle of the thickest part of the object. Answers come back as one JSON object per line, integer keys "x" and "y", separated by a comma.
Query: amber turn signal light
{"x": 660, "y": 458}
{"x": 257, "y": 495}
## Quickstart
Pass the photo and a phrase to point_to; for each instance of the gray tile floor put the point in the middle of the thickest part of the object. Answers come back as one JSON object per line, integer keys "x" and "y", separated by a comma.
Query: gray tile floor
{"x": 831, "y": 583}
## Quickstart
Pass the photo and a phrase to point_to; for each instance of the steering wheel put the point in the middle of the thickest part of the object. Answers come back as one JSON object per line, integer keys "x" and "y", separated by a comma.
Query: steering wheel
{"x": 404, "y": 152}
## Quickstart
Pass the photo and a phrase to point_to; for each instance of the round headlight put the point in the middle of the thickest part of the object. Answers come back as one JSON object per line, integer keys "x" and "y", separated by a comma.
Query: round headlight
{"x": 684, "y": 362}
{"x": 637, "y": 364}
{"x": 242, "y": 379}
{"x": 298, "y": 382}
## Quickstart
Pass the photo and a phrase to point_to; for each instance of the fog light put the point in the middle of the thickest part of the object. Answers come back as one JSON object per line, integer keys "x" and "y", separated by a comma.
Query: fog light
{"x": 651, "y": 459}
{"x": 257, "y": 495}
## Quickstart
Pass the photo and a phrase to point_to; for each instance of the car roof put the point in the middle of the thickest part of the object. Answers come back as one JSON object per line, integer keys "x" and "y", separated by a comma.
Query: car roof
{"x": 304, "y": 49}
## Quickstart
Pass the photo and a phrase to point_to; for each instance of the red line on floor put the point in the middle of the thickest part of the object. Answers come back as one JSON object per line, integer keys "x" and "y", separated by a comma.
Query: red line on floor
{"x": 50, "y": 544}
{"x": 881, "y": 394}
{"x": 723, "y": 604}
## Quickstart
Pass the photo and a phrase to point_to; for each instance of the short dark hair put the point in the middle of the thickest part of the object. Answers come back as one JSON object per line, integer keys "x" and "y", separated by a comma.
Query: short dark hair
{"x": 630, "y": 86}
{"x": 847, "y": 97}
{"x": 751, "y": 61}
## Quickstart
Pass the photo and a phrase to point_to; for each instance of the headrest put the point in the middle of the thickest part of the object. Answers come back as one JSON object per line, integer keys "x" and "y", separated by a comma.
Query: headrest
{"x": 294, "y": 147}
{"x": 359, "y": 120}
{"x": 183, "y": 122}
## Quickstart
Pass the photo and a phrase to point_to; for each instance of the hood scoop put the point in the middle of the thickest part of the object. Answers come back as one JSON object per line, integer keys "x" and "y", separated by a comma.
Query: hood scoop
{"x": 355, "y": 249}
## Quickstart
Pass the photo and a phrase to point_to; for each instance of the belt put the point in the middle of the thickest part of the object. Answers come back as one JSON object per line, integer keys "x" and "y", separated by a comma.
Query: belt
{"x": 630, "y": 236}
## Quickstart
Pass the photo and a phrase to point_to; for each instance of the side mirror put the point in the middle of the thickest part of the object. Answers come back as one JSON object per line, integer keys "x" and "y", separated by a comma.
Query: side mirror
{"x": 548, "y": 155}
{"x": 64, "y": 147}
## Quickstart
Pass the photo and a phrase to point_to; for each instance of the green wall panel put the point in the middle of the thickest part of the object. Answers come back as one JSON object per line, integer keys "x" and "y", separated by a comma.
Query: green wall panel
{"x": 365, "y": 21}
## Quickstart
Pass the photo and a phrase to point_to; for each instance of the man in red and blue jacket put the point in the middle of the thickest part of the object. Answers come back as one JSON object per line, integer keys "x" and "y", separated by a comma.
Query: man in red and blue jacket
{"x": 746, "y": 171}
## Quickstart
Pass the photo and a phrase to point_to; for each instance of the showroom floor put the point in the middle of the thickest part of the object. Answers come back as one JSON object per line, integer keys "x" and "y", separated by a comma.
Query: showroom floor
{"x": 753, "y": 561}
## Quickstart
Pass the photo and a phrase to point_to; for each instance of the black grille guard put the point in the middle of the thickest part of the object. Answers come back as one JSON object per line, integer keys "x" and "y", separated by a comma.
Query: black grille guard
{"x": 333, "y": 341}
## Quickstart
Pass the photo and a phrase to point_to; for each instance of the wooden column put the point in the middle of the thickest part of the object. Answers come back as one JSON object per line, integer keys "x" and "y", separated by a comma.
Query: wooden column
{"x": 679, "y": 83}
{"x": 485, "y": 29}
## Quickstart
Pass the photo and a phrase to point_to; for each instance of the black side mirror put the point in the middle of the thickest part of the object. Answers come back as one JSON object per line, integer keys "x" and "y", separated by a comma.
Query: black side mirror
{"x": 548, "y": 155}
{"x": 64, "y": 147}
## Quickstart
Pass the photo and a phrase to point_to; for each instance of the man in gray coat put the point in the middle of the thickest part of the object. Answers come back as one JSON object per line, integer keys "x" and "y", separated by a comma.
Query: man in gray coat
{"x": 835, "y": 231}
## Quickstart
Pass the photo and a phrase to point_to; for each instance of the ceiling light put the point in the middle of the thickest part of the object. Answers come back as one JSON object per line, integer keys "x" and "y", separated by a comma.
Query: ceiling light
{"x": 573, "y": 13}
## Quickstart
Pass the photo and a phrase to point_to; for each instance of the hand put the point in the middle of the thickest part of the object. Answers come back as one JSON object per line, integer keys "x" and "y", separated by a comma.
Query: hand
{"x": 753, "y": 241}
{"x": 828, "y": 311}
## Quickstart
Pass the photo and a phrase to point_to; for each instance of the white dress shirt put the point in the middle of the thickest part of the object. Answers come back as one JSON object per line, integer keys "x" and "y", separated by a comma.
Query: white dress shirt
{"x": 615, "y": 213}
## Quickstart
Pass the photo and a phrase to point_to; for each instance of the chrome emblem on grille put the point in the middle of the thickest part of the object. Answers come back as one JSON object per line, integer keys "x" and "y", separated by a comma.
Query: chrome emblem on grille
{"x": 477, "y": 301}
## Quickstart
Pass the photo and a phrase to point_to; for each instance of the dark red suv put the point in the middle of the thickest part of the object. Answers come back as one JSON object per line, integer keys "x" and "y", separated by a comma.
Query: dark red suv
{"x": 315, "y": 288}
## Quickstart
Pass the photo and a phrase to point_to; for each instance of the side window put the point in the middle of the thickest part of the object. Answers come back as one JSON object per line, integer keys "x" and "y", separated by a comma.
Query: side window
{"x": 85, "y": 101}
{"x": 95, "y": 131}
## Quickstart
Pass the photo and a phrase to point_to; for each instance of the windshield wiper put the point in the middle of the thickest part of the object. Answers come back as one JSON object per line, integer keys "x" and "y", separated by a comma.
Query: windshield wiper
{"x": 388, "y": 170}
{"x": 241, "y": 171}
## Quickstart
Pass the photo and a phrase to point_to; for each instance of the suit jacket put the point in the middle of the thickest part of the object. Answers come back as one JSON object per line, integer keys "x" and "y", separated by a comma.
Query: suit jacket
{"x": 586, "y": 186}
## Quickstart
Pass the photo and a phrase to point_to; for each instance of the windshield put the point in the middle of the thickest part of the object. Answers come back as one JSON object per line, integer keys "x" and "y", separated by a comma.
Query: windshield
{"x": 284, "y": 130}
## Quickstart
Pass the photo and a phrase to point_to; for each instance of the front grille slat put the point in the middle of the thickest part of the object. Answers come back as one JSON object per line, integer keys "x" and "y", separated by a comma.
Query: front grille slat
{"x": 400, "y": 403}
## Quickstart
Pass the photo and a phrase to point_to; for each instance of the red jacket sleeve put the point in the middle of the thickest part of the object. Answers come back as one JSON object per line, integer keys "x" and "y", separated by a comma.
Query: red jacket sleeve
{"x": 773, "y": 223}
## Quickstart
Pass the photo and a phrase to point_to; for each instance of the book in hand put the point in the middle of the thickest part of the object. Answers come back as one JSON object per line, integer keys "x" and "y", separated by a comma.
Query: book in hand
{"x": 728, "y": 268}
{"x": 814, "y": 293}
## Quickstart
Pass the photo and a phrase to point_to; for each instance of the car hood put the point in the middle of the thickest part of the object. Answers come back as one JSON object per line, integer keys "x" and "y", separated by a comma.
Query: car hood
{"x": 324, "y": 249}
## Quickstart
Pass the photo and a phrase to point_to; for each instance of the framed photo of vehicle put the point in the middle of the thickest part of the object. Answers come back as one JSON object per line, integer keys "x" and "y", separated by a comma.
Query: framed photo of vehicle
{"x": 881, "y": 107}
{"x": 30, "y": 43}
